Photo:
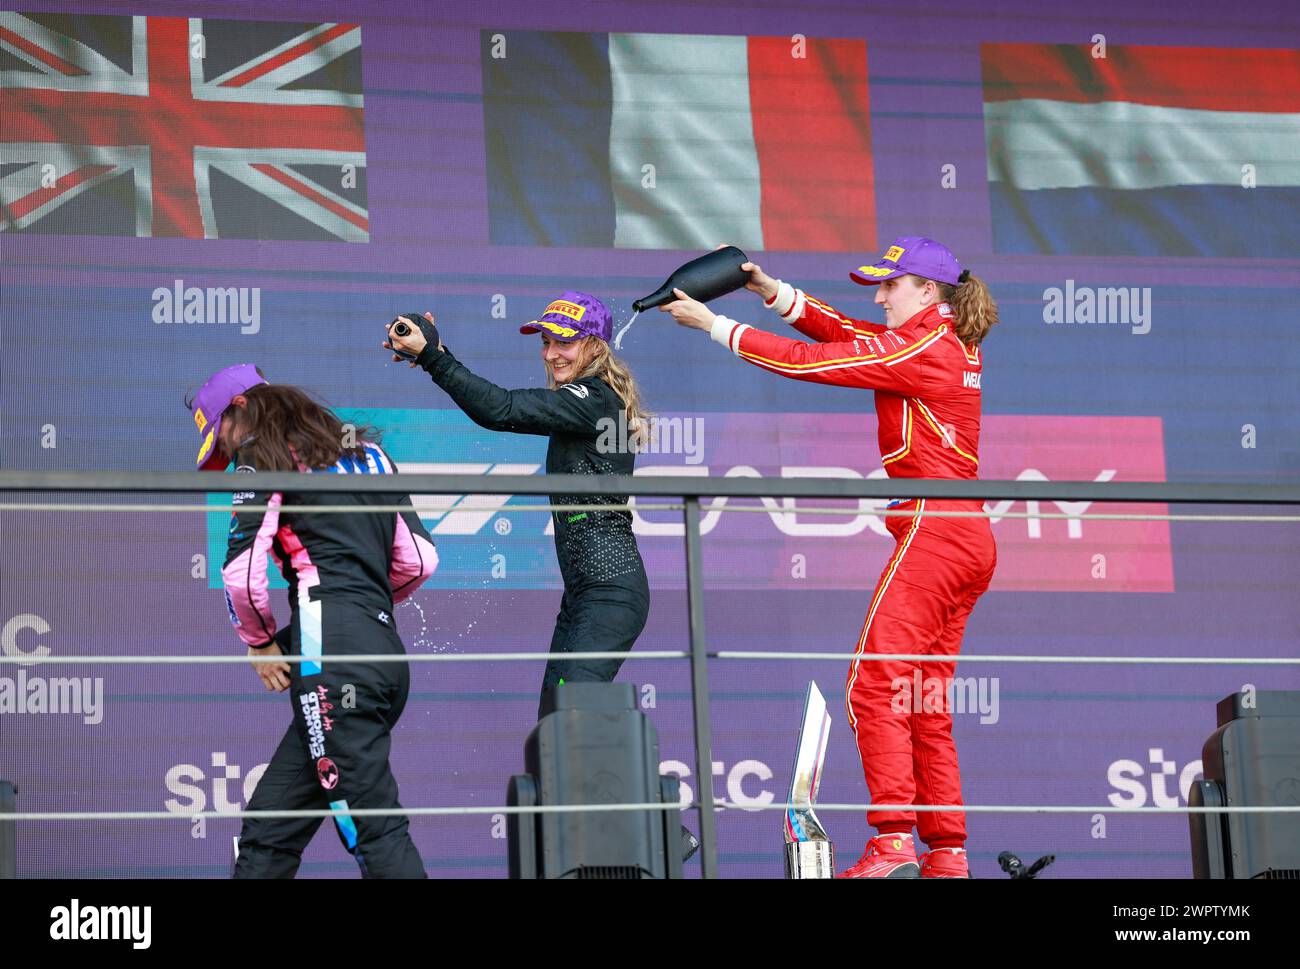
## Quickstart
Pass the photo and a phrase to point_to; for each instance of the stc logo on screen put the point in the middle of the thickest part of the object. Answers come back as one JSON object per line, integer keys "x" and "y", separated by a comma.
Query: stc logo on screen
{"x": 1162, "y": 780}
{"x": 220, "y": 788}
{"x": 491, "y": 541}
{"x": 226, "y": 788}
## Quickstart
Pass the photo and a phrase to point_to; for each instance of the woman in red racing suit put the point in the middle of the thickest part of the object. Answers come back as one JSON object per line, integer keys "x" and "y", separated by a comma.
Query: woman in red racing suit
{"x": 924, "y": 364}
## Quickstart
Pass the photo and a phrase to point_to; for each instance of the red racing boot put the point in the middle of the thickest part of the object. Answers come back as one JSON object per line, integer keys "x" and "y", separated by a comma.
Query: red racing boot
{"x": 888, "y": 856}
{"x": 945, "y": 863}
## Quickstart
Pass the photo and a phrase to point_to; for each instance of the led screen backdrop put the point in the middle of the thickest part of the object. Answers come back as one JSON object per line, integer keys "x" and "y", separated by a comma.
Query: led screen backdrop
{"x": 190, "y": 185}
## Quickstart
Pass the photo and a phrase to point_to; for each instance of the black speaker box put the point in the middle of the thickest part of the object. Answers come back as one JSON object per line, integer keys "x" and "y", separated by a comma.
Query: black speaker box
{"x": 593, "y": 746}
{"x": 1253, "y": 759}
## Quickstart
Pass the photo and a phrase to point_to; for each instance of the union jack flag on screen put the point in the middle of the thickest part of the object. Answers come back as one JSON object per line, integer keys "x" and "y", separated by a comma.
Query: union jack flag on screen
{"x": 181, "y": 127}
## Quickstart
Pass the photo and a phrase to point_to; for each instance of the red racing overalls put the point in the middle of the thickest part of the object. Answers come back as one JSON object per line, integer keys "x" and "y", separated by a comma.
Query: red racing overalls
{"x": 927, "y": 390}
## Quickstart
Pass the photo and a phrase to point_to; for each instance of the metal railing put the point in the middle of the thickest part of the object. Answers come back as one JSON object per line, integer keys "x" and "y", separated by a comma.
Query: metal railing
{"x": 690, "y": 490}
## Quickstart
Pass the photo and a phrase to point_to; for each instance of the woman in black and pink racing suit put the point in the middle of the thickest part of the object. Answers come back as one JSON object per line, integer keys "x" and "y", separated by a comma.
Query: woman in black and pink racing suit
{"x": 345, "y": 574}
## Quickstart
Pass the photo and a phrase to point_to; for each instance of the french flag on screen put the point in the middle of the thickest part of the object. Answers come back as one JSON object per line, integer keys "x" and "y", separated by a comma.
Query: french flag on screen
{"x": 1148, "y": 151}
{"x": 671, "y": 141}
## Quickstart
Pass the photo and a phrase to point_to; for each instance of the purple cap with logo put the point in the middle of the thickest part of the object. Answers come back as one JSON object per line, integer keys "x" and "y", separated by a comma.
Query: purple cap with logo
{"x": 911, "y": 254}
{"x": 573, "y": 316}
{"x": 211, "y": 402}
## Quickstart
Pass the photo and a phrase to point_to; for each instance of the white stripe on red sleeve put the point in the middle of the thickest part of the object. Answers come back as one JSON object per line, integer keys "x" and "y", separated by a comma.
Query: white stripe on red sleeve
{"x": 783, "y": 301}
{"x": 728, "y": 332}
{"x": 796, "y": 308}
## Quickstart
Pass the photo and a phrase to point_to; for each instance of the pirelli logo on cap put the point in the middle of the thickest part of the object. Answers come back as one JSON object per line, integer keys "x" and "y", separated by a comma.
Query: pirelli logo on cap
{"x": 893, "y": 253}
{"x": 562, "y": 306}
{"x": 556, "y": 328}
{"x": 200, "y": 421}
{"x": 206, "y": 449}
{"x": 876, "y": 271}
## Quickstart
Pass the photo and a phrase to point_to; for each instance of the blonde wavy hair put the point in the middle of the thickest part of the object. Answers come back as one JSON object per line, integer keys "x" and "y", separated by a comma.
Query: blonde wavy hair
{"x": 597, "y": 360}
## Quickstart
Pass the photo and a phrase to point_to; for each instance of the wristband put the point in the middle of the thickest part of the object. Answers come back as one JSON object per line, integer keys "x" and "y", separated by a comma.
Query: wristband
{"x": 400, "y": 328}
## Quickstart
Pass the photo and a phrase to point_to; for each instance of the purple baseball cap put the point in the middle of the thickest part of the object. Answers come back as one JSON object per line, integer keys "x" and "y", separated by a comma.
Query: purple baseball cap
{"x": 911, "y": 254}
{"x": 211, "y": 402}
{"x": 573, "y": 316}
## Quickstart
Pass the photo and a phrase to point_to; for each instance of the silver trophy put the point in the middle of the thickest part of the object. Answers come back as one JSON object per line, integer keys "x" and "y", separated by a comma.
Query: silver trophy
{"x": 808, "y": 851}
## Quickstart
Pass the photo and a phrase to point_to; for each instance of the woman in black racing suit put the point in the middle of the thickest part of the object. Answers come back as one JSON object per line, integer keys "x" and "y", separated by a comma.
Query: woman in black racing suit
{"x": 592, "y": 401}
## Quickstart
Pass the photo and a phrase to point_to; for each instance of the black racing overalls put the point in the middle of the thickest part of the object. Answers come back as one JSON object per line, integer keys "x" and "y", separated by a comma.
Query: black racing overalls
{"x": 345, "y": 571}
{"x": 606, "y": 594}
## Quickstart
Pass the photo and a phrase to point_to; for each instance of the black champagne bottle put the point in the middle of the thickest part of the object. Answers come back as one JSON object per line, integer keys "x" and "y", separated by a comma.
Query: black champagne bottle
{"x": 708, "y": 277}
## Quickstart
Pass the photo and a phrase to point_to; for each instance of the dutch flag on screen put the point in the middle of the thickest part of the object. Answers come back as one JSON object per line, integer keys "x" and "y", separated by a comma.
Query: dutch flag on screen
{"x": 670, "y": 141}
{"x": 1143, "y": 152}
